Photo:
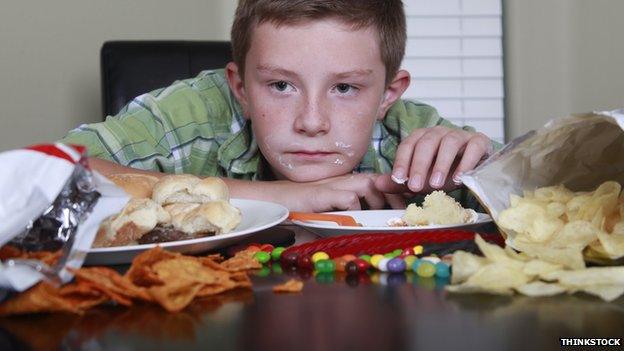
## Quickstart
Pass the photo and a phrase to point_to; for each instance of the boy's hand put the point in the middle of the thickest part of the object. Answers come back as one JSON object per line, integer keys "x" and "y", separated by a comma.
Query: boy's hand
{"x": 434, "y": 158}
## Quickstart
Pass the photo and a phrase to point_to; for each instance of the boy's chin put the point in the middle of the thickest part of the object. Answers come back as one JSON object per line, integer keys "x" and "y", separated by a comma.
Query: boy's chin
{"x": 311, "y": 174}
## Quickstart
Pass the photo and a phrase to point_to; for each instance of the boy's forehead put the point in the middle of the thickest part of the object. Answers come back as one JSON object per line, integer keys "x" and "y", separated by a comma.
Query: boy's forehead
{"x": 324, "y": 39}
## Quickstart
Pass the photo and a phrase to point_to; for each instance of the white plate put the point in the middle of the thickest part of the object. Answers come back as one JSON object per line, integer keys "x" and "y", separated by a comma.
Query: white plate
{"x": 376, "y": 221}
{"x": 256, "y": 216}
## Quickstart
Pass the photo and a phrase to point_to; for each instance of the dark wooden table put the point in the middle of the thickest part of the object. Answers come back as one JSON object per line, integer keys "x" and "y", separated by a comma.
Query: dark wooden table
{"x": 378, "y": 312}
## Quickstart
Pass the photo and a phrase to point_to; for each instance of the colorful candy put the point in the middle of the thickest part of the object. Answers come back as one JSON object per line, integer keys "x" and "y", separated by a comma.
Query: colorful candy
{"x": 418, "y": 250}
{"x": 396, "y": 265}
{"x": 383, "y": 264}
{"x": 277, "y": 253}
{"x": 442, "y": 270}
{"x": 409, "y": 261}
{"x": 426, "y": 269}
{"x": 262, "y": 256}
{"x": 317, "y": 256}
{"x": 324, "y": 265}
{"x": 375, "y": 260}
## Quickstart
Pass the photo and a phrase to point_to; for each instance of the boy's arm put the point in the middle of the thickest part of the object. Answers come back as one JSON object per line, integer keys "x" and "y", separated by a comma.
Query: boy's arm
{"x": 341, "y": 193}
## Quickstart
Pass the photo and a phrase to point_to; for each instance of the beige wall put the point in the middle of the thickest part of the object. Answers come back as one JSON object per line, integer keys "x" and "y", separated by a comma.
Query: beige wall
{"x": 49, "y": 55}
{"x": 563, "y": 56}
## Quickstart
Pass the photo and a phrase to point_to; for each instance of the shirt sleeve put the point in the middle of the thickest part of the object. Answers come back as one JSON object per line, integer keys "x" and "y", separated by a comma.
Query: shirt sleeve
{"x": 172, "y": 130}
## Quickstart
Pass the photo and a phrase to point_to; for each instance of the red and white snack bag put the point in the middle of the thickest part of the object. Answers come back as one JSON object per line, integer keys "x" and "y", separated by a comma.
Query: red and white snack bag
{"x": 51, "y": 200}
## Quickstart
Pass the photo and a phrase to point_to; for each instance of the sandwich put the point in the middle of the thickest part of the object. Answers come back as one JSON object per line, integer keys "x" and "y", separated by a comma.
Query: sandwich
{"x": 176, "y": 207}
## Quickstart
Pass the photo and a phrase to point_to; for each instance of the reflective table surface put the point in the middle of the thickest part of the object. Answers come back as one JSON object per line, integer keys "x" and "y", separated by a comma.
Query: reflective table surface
{"x": 333, "y": 312}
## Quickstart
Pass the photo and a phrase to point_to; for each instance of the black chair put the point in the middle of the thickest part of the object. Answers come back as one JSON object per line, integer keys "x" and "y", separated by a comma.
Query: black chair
{"x": 132, "y": 68}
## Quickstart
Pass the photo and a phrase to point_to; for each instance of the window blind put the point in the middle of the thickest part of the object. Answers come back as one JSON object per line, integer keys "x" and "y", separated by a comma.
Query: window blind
{"x": 454, "y": 55}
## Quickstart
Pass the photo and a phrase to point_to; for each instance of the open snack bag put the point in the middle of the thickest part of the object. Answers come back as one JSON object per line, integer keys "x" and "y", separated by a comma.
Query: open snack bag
{"x": 50, "y": 200}
{"x": 556, "y": 194}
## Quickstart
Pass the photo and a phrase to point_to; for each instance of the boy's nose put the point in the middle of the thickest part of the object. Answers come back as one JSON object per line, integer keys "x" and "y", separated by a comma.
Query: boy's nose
{"x": 312, "y": 119}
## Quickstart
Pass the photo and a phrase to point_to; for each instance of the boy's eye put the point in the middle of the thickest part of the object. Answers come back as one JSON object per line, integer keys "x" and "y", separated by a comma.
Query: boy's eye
{"x": 280, "y": 86}
{"x": 344, "y": 88}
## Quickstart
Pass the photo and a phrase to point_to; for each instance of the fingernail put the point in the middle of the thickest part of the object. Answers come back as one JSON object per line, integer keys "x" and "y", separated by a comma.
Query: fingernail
{"x": 456, "y": 179}
{"x": 437, "y": 179}
{"x": 398, "y": 176}
{"x": 415, "y": 183}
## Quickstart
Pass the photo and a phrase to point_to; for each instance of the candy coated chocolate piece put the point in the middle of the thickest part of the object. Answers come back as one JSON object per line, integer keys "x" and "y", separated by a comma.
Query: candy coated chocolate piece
{"x": 383, "y": 264}
{"x": 418, "y": 250}
{"x": 426, "y": 269}
{"x": 325, "y": 266}
{"x": 352, "y": 268}
{"x": 409, "y": 261}
{"x": 396, "y": 265}
{"x": 262, "y": 256}
{"x": 305, "y": 261}
{"x": 289, "y": 258}
{"x": 277, "y": 253}
{"x": 442, "y": 270}
{"x": 320, "y": 255}
{"x": 375, "y": 260}
{"x": 416, "y": 264}
{"x": 362, "y": 265}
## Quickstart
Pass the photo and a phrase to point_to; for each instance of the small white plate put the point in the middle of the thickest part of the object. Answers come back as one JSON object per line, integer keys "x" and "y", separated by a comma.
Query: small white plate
{"x": 256, "y": 216}
{"x": 377, "y": 221}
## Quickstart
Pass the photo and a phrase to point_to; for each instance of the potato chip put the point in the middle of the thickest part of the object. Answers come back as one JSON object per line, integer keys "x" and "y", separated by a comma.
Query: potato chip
{"x": 577, "y": 234}
{"x": 493, "y": 278}
{"x": 540, "y": 269}
{"x": 605, "y": 292}
{"x": 568, "y": 257}
{"x": 592, "y": 276}
{"x": 612, "y": 245}
{"x": 557, "y": 193}
{"x": 291, "y": 286}
{"x": 464, "y": 265}
{"x": 495, "y": 253}
{"x": 538, "y": 288}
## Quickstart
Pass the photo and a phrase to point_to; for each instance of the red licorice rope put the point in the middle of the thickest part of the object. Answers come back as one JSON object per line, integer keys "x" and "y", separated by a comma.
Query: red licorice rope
{"x": 357, "y": 244}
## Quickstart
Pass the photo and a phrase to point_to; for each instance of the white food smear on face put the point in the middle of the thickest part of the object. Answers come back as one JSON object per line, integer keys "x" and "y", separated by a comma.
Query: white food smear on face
{"x": 346, "y": 147}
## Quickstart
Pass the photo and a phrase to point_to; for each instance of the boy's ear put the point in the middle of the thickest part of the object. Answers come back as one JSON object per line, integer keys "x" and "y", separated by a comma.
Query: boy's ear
{"x": 237, "y": 85}
{"x": 393, "y": 92}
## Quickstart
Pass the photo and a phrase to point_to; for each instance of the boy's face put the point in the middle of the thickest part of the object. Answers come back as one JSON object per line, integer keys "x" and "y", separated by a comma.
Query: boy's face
{"x": 313, "y": 92}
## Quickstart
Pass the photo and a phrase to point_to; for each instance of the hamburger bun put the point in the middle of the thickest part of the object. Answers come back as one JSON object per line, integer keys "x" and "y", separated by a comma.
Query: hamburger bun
{"x": 218, "y": 217}
{"x": 189, "y": 189}
{"x": 138, "y": 186}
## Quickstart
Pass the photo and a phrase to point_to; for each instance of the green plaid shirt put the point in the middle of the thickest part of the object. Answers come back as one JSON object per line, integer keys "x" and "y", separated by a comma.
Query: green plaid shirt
{"x": 196, "y": 126}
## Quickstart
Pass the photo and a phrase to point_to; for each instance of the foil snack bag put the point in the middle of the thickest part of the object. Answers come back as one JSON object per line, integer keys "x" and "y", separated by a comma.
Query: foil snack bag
{"x": 50, "y": 200}
{"x": 581, "y": 152}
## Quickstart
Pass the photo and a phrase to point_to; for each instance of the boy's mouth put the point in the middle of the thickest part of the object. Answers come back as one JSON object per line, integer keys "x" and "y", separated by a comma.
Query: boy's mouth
{"x": 311, "y": 154}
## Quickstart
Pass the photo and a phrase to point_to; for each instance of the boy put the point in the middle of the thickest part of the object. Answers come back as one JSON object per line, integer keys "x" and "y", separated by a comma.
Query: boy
{"x": 313, "y": 107}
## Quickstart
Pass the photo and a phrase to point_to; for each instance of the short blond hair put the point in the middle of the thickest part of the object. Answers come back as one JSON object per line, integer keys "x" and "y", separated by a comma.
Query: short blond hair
{"x": 387, "y": 16}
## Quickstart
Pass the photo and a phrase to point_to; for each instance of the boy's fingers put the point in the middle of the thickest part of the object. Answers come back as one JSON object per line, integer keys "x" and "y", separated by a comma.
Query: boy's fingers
{"x": 476, "y": 149}
{"x": 385, "y": 184}
{"x": 424, "y": 152}
{"x": 450, "y": 146}
{"x": 403, "y": 156}
{"x": 342, "y": 200}
{"x": 395, "y": 201}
